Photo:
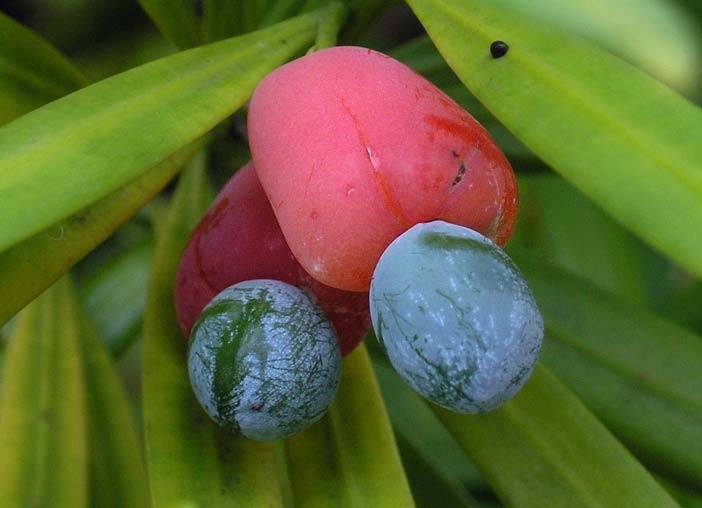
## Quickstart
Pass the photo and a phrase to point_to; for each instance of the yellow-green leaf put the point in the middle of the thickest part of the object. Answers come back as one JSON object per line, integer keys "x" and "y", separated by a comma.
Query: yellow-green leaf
{"x": 349, "y": 458}
{"x": 624, "y": 139}
{"x": 544, "y": 448}
{"x": 653, "y": 34}
{"x": 117, "y": 471}
{"x": 190, "y": 461}
{"x": 28, "y": 268}
{"x": 32, "y": 72}
{"x": 76, "y": 150}
{"x": 42, "y": 407}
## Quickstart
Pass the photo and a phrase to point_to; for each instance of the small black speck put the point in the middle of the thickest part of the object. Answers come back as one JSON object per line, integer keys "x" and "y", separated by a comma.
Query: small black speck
{"x": 459, "y": 174}
{"x": 498, "y": 49}
{"x": 454, "y": 154}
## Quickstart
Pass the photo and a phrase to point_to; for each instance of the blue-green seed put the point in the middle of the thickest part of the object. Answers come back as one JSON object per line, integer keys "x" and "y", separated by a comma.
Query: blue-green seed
{"x": 455, "y": 316}
{"x": 264, "y": 360}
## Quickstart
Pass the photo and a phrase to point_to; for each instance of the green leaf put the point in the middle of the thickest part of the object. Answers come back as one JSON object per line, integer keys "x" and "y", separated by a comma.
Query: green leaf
{"x": 76, "y": 150}
{"x": 349, "y": 458}
{"x": 637, "y": 372}
{"x": 331, "y": 19}
{"x": 118, "y": 474}
{"x": 42, "y": 407}
{"x": 32, "y": 72}
{"x": 176, "y": 19}
{"x": 653, "y": 34}
{"x": 31, "y": 266}
{"x": 686, "y": 497}
{"x": 190, "y": 461}
{"x": 362, "y": 13}
{"x": 544, "y": 448}
{"x": 625, "y": 140}
{"x": 426, "y": 444}
{"x": 224, "y": 18}
{"x": 115, "y": 294}
{"x": 278, "y": 10}
{"x": 562, "y": 226}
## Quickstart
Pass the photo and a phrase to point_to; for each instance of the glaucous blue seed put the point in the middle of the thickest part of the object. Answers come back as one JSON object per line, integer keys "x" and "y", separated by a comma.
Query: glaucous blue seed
{"x": 264, "y": 360}
{"x": 455, "y": 316}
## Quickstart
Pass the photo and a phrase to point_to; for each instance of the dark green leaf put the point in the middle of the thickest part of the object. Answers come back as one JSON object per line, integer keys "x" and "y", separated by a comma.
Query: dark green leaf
{"x": 190, "y": 461}
{"x": 76, "y": 150}
{"x": 224, "y": 18}
{"x": 350, "y": 458}
{"x": 32, "y": 72}
{"x": 176, "y": 19}
{"x": 564, "y": 227}
{"x": 628, "y": 142}
{"x": 42, "y": 407}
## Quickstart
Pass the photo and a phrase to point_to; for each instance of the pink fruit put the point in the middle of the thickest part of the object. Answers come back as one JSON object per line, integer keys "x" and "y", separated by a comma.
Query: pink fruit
{"x": 353, "y": 148}
{"x": 238, "y": 240}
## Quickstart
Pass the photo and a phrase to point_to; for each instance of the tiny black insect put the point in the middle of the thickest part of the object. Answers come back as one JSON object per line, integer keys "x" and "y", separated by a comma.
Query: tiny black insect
{"x": 498, "y": 49}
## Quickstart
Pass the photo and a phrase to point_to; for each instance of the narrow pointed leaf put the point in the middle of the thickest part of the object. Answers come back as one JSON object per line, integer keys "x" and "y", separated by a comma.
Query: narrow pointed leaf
{"x": 625, "y": 140}
{"x": 117, "y": 471}
{"x": 42, "y": 407}
{"x": 190, "y": 461}
{"x": 638, "y": 372}
{"x": 176, "y": 20}
{"x": 76, "y": 150}
{"x": 31, "y": 266}
{"x": 32, "y": 72}
{"x": 350, "y": 458}
{"x": 544, "y": 448}
{"x": 115, "y": 296}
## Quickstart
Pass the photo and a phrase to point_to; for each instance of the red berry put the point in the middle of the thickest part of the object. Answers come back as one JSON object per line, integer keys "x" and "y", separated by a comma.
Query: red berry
{"x": 353, "y": 148}
{"x": 238, "y": 240}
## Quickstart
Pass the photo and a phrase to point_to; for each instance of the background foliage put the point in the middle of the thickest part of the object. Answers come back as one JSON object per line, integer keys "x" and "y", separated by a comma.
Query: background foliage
{"x": 104, "y": 102}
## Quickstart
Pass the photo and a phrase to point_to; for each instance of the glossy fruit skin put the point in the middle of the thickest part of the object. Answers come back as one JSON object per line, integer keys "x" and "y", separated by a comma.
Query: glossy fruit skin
{"x": 263, "y": 360}
{"x": 353, "y": 148}
{"x": 239, "y": 239}
{"x": 455, "y": 316}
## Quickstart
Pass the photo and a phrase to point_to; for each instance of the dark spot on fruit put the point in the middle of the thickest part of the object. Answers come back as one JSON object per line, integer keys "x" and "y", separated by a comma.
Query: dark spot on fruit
{"x": 459, "y": 174}
{"x": 454, "y": 154}
{"x": 498, "y": 49}
{"x": 257, "y": 407}
{"x": 314, "y": 215}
